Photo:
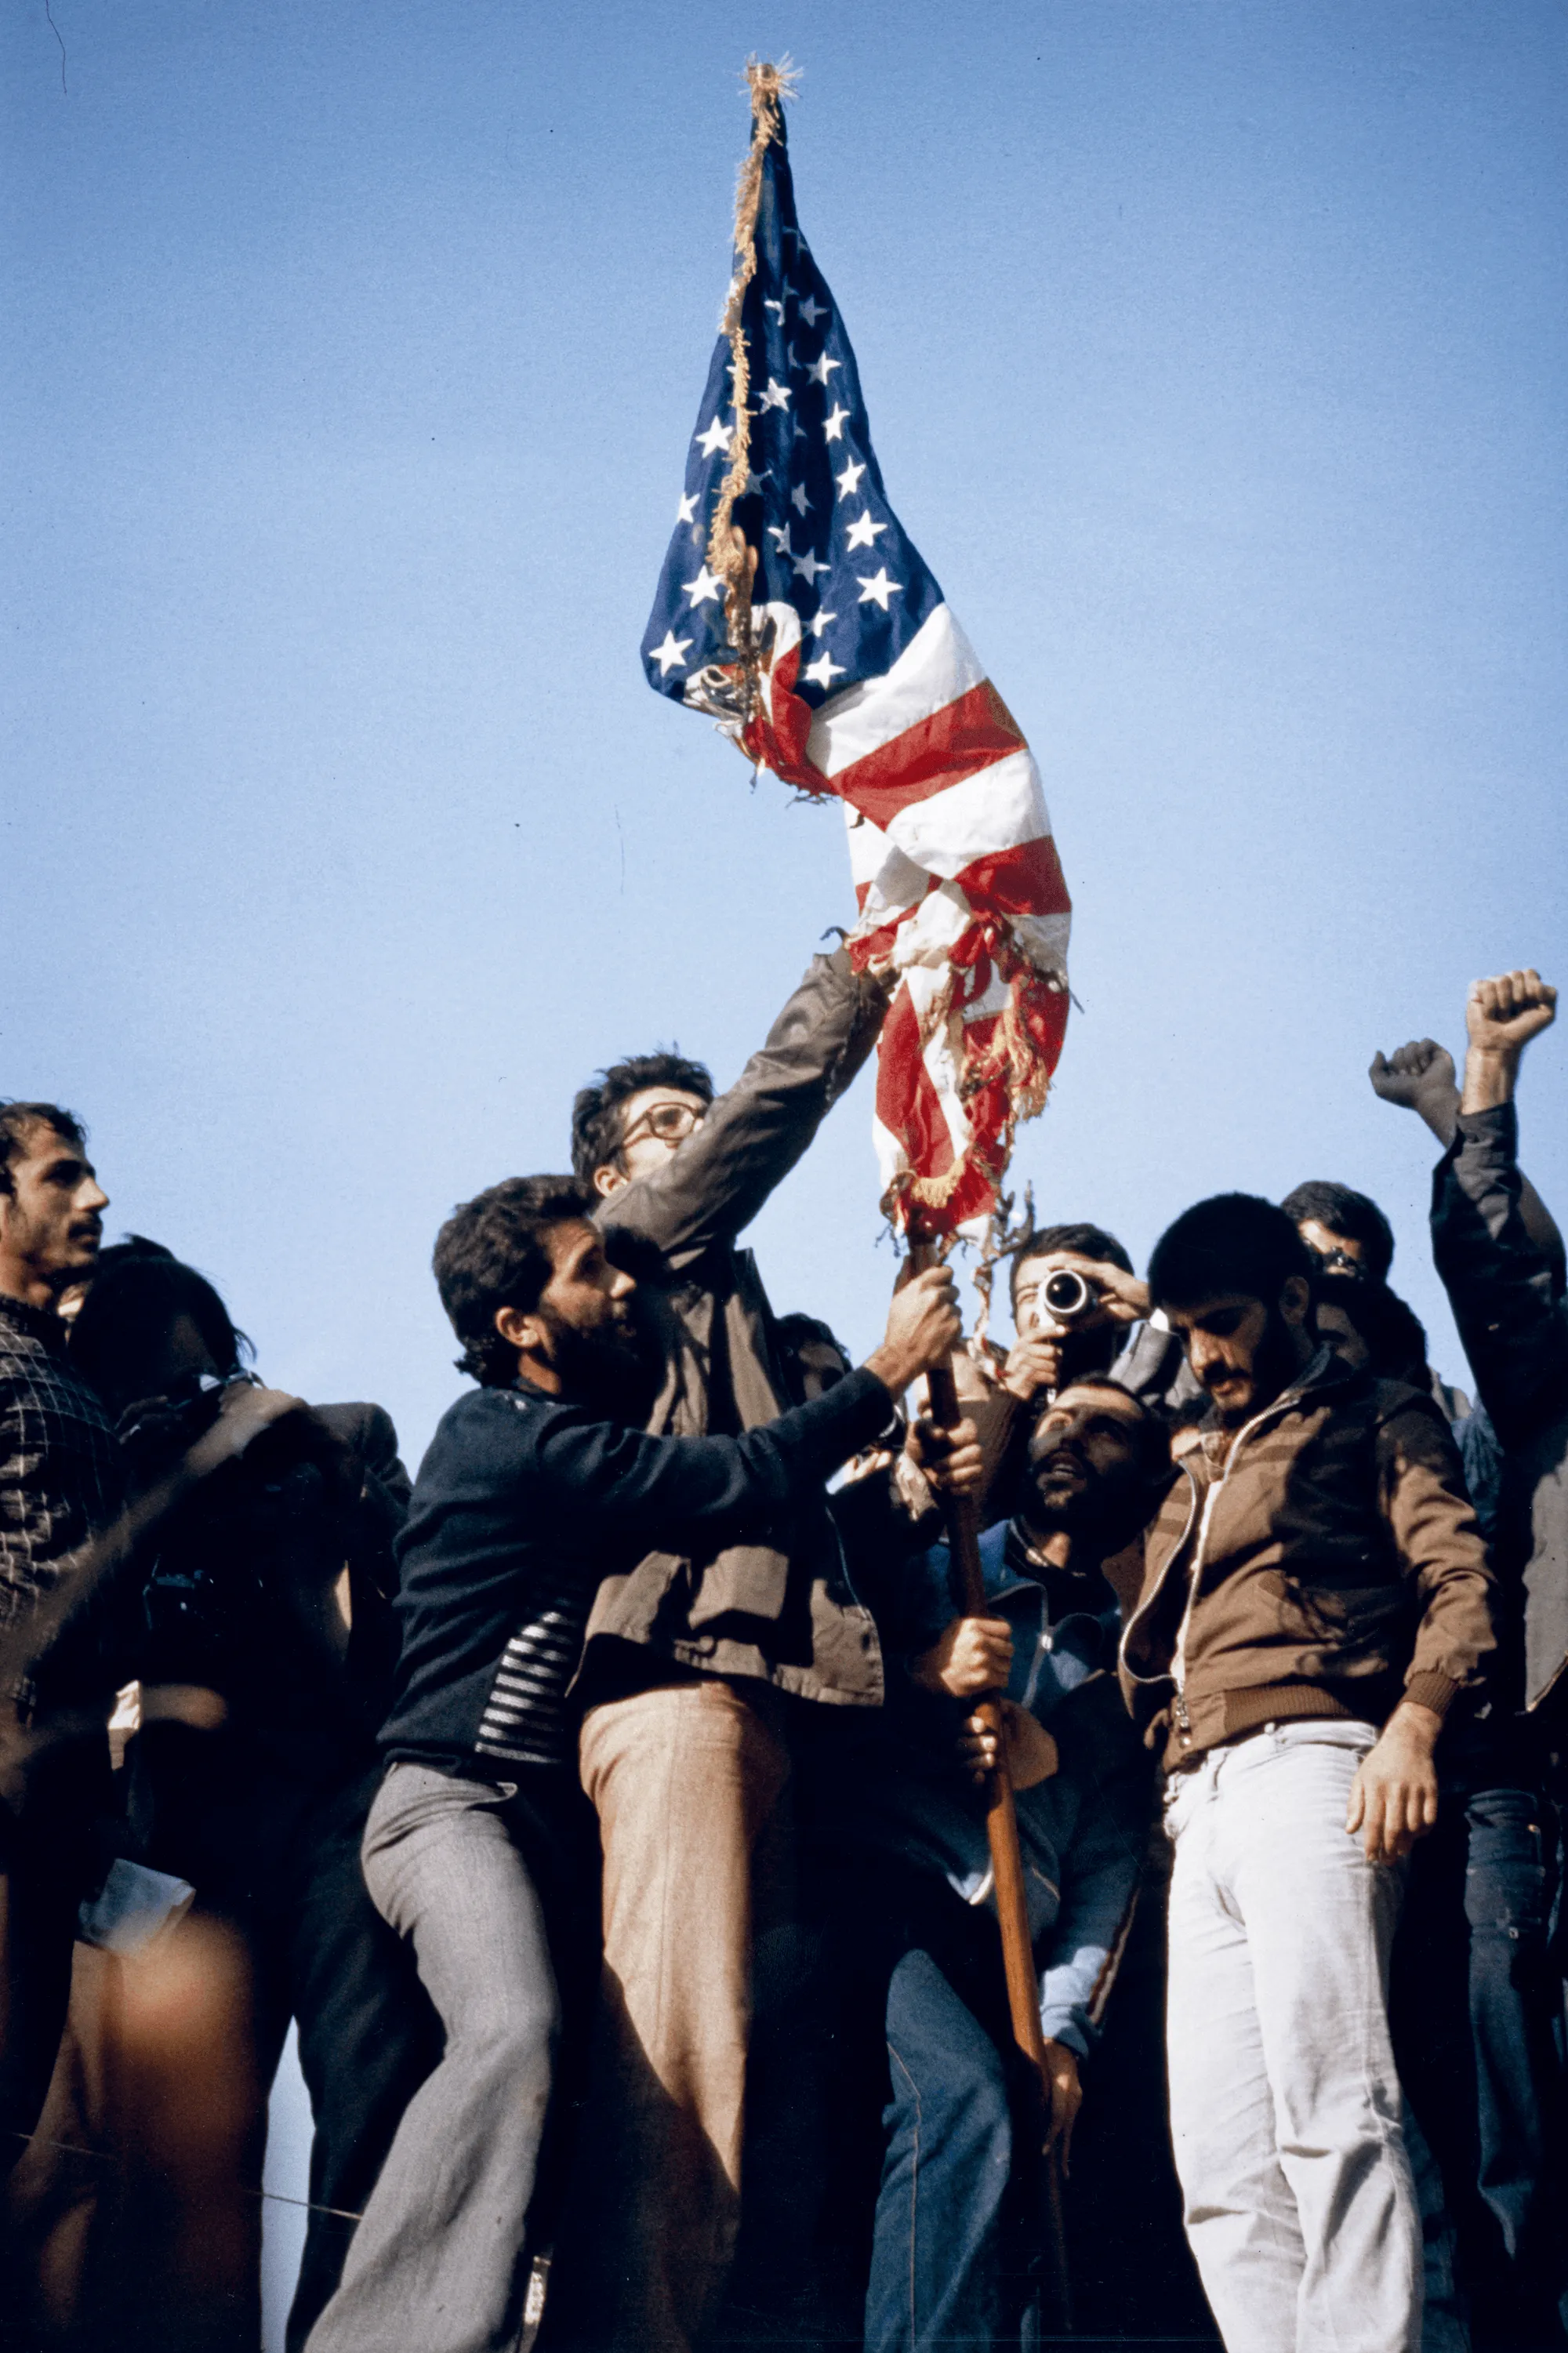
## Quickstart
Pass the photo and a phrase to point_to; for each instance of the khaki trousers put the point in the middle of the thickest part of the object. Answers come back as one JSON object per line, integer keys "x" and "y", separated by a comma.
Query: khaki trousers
{"x": 685, "y": 1781}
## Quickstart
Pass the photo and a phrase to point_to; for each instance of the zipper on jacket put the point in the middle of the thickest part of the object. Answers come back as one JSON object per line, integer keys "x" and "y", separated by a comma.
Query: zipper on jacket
{"x": 1179, "y": 1656}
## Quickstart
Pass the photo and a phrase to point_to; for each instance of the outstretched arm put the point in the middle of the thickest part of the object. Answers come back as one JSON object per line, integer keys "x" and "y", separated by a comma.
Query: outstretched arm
{"x": 711, "y": 1190}
{"x": 622, "y": 1481}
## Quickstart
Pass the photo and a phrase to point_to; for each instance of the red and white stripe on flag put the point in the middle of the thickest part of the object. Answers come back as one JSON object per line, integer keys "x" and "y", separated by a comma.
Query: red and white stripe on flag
{"x": 960, "y": 891}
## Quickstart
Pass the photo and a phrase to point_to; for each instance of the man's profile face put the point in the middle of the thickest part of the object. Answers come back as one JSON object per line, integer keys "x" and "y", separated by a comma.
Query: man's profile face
{"x": 1087, "y": 1474}
{"x": 51, "y": 1221}
{"x": 1242, "y": 1350}
{"x": 655, "y": 1123}
{"x": 585, "y": 1295}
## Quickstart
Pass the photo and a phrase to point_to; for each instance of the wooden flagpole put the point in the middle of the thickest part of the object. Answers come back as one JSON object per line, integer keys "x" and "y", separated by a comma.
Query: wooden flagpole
{"x": 963, "y": 1516}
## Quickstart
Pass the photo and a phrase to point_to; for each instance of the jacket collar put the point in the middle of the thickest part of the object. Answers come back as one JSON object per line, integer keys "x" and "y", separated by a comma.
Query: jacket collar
{"x": 34, "y": 1322}
{"x": 1327, "y": 1370}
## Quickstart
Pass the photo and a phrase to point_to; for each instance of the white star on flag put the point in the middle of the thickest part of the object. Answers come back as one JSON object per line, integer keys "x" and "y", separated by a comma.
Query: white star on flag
{"x": 824, "y": 669}
{"x": 717, "y": 436}
{"x": 672, "y": 654}
{"x": 833, "y": 427}
{"x": 808, "y": 565}
{"x": 779, "y": 534}
{"x": 848, "y": 482}
{"x": 687, "y": 508}
{"x": 878, "y": 588}
{"x": 810, "y": 310}
{"x": 705, "y": 586}
{"x": 799, "y": 501}
{"x": 820, "y": 621}
{"x": 863, "y": 530}
{"x": 777, "y": 395}
{"x": 822, "y": 368}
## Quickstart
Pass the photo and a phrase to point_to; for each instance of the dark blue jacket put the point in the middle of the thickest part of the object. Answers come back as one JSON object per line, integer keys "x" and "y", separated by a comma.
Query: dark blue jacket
{"x": 522, "y": 1505}
{"x": 1083, "y": 1832}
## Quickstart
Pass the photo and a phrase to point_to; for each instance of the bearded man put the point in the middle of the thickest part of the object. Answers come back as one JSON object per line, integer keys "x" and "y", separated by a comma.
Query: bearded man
{"x": 537, "y": 1487}
{"x": 1316, "y": 1595}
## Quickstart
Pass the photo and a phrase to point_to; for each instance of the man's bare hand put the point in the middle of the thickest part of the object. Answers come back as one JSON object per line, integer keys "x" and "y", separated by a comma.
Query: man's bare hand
{"x": 1502, "y": 1015}
{"x": 1023, "y": 1745}
{"x": 953, "y": 1460}
{"x": 1420, "y": 1077}
{"x": 1393, "y": 1797}
{"x": 923, "y": 1329}
{"x": 1066, "y": 2098}
{"x": 244, "y": 1413}
{"x": 971, "y": 1655}
{"x": 1034, "y": 1362}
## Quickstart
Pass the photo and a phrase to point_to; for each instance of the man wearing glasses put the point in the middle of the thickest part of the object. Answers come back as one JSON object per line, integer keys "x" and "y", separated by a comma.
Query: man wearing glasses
{"x": 695, "y": 1669}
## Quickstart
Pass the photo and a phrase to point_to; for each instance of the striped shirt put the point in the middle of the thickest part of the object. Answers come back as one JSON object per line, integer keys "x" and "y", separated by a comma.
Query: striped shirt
{"x": 524, "y": 1720}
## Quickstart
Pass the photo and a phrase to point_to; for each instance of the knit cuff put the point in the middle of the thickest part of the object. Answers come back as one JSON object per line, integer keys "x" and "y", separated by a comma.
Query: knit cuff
{"x": 1432, "y": 1690}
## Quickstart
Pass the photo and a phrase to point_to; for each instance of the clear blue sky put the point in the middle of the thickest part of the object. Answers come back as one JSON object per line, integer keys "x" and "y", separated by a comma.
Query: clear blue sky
{"x": 1215, "y": 355}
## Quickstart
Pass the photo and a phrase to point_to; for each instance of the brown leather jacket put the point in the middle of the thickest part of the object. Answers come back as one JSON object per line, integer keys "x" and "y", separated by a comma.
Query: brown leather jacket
{"x": 1325, "y": 1561}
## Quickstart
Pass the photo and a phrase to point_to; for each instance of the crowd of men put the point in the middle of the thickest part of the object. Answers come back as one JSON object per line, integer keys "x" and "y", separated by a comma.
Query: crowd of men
{"x": 607, "y": 1809}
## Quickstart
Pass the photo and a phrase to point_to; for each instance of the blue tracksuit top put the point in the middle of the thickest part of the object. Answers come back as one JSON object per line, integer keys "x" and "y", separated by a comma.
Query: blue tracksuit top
{"x": 1083, "y": 1832}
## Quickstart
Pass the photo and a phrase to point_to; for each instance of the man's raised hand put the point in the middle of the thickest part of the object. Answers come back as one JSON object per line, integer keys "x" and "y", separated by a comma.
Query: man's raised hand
{"x": 923, "y": 1329}
{"x": 1420, "y": 1077}
{"x": 1503, "y": 1014}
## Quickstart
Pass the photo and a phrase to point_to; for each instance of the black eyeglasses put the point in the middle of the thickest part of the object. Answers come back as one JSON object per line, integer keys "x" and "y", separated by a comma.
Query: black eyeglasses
{"x": 672, "y": 1123}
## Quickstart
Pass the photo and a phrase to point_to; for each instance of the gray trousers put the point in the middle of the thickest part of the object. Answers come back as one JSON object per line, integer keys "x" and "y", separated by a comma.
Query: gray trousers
{"x": 435, "y": 2264}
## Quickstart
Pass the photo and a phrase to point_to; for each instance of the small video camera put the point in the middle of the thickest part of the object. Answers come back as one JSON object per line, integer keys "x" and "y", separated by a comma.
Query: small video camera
{"x": 1066, "y": 1294}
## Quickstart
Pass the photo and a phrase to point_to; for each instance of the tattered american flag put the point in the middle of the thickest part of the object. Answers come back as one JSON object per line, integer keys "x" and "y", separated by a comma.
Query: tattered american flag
{"x": 794, "y": 609}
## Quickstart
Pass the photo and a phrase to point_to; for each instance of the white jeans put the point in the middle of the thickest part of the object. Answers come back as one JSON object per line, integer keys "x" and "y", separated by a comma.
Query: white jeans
{"x": 1285, "y": 2106}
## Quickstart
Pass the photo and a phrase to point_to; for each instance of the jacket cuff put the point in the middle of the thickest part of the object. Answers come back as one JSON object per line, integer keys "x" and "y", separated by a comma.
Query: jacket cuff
{"x": 1065, "y": 2026}
{"x": 1429, "y": 1689}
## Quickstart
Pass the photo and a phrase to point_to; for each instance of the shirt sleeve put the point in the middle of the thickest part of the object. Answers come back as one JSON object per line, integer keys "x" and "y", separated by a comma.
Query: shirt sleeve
{"x": 708, "y": 1191}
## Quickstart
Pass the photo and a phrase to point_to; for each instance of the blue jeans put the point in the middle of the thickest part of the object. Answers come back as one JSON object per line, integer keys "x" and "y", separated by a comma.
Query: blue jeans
{"x": 1473, "y": 2015}
{"x": 936, "y": 2259}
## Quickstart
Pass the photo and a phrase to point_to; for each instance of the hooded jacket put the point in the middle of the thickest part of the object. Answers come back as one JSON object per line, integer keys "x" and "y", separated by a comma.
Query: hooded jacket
{"x": 1324, "y": 1561}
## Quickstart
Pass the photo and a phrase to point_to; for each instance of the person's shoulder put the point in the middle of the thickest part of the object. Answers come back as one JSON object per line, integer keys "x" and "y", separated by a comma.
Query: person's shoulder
{"x": 365, "y": 1427}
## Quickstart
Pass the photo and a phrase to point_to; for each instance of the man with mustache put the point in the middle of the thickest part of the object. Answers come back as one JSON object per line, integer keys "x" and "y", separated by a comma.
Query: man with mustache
{"x": 537, "y": 1486}
{"x": 1316, "y": 1595}
{"x": 921, "y": 1958}
{"x": 59, "y": 1487}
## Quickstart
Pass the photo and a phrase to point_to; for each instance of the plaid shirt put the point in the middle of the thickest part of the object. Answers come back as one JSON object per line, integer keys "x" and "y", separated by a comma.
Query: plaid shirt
{"x": 60, "y": 1469}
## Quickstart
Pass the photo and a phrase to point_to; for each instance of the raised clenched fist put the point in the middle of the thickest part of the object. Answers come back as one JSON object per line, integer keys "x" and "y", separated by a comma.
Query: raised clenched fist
{"x": 1420, "y": 1076}
{"x": 1403, "y": 1076}
{"x": 1504, "y": 1013}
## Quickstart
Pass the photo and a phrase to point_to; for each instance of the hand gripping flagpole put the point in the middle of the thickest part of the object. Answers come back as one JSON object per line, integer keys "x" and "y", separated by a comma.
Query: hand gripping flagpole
{"x": 962, "y": 1516}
